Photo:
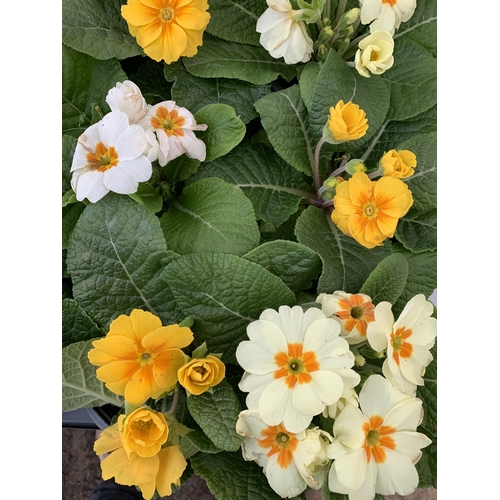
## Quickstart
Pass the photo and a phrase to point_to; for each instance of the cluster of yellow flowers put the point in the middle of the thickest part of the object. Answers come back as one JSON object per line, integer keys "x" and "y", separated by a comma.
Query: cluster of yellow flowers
{"x": 141, "y": 359}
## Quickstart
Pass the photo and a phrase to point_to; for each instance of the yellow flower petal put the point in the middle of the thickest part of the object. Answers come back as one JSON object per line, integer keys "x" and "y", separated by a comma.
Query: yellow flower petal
{"x": 140, "y": 386}
{"x": 129, "y": 471}
{"x": 148, "y": 489}
{"x": 137, "y": 14}
{"x": 166, "y": 365}
{"x": 392, "y": 196}
{"x": 109, "y": 440}
{"x": 340, "y": 220}
{"x": 149, "y": 33}
{"x": 386, "y": 224}
{"x": 167, "y": 337}
{"x": 144, "y": 322}
{"x": 360, "y": 189}
{"x": 111, "y": 349}
{"x": 191, "y": 18}
{"x": 169, "y": 46}
{"x": 172, "y": 465}
{"x": 194, "y": 40}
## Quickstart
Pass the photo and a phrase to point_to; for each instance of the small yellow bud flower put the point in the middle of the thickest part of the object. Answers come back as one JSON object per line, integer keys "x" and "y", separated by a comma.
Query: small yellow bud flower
{"x": 399, "y": 164}
{"x": 199, "y": 375}
{"x": 330, "y": 187}
{"x": 359, "y": 360}
{"x": 347, "y": 122}
{"x": 325, "y": 35}
{"x": 350, "y": 17}
{"x": 354, "y": 166}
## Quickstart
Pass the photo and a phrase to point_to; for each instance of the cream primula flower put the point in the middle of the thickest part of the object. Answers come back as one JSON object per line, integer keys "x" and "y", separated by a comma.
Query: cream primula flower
{"x": 110, "y": 156}
{"x": 375, "y": 447}
{"x": 375, "y": 54}
{"x": 408, "y": 341}
{"x": 386, "y": 15}
{"x": 174, "y": 127}
{"x": 291, "y": 461}
{"x": 295, "y": 364}
{"x": 282, "y": 35}
{"x": 127, "y": 97}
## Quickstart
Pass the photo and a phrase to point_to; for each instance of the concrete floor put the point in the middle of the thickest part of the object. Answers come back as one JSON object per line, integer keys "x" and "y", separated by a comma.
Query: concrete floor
{"x": 81, "y": 473}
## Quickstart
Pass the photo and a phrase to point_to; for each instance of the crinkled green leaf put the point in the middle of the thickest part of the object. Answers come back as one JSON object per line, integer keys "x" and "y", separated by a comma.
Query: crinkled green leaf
{"x": 225, "y": 130}
{"x": 97, "y": 28}
{"x": 412, "y": 80}
{"x": 285, "y": 119}
{"x": 193, "y": 93}
{"x": 223, "y": 293}
{"x": 285, "y": 231}
{"x": 423, "y": 183}
{"x": 235, "y": 20}
{"x": 85, "y": 84}
{"x": 77, "y": 325}
{"x": 387, "y": 281}
{"x": 150, "y": 79}
{"x": 346, "y": 264}
{"x": 197, "y": 441}
{"x": 147, "y": 196}
{"x": 307, "y": 82}
{"x": 80, "y": 387}
{"x": 68, "y": 150}
{"x": 294, "y": 263}
{"x": 216, "y": 413}
{"x": 220, "y": 59}
{"x": 115, "y": 256}
{"x": 181, "y": 168}
{"x": 70, "y": 216}
{"x": 211, "y": 216}
{"x": 417, "y": 230}
{"x": 274, "y": 188}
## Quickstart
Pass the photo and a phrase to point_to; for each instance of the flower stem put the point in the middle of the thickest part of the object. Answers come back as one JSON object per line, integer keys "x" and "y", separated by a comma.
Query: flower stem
{"x": 340, "y": 11}
{"x": 356, "y": 41}
{"x": 173, "y": 406}
{"x": 374, "y": 142}
{"x": 317, "y": 180}
{"x": 373, "y": 175}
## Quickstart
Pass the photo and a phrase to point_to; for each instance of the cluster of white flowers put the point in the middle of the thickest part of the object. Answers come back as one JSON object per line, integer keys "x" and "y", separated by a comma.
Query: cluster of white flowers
{"x": 300, "y": 364}
{"x": 116, "y": 153}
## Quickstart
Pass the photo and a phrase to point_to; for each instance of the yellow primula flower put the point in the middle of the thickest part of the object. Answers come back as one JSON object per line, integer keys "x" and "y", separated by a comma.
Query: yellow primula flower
{"x": 137, "y": 457}
{"x": 199, "y": 375}
{"x": 369, "y": 210}
{"x": 347, "y": 122}
{"x": 139, "y": 357}
{"x": 167, "y": 29}
{"x": 398, "y": 163}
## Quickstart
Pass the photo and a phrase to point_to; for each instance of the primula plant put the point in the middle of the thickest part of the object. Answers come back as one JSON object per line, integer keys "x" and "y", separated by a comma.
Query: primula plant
{"x": 249, "y": 243}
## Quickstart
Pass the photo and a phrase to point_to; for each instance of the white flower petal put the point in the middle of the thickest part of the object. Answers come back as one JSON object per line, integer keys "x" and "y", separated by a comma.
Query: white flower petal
{"x": 411, "y": 370}
{"x": 250, "y": 425}
{"x": 286, "y": 482}
{"x": 378, "y": 396}
{"x": 194, "y": 147}
{"x": 120, "y": 181}
{"x": 334, "y": 484}
{"x": 425, "y": 333}
{"x": 274, "y": 27}
{"x": 254, "y": 359}
{"x": 140, "y": 168}
{"x": 90, "y": 185}
{"x": 320, "y": 335}
{"x": 348, "y": 427}
{"x": 274, "y": 401}
{"x": 351, "y": 468}
{"x": 337, "y": 449}
{"x": 254, "y": 385}
{"x": 268, "y": 335}
{"x": 132, "y": 143}
{"x": 405, "y": 416}
{"x": 378, "y": 331}
{"x": 370, "y": 10}
{"x": 305, "y": 400}
{"x": 416, "y": 310}
{"x": 112, "y": 126}
{"x": 396, "y": 474}
{"x": 410, "y": 444}
{"x": 305, "y": 454}
{"x": 367, "y": 490}
{"x": 386, "y": 20}
{"x": 329, "y": 386}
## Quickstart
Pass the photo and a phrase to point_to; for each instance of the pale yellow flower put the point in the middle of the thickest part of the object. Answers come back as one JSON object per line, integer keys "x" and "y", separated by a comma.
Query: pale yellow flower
{"x": 167, "y": 29}
{"x": 375, "y": 54}
{"x": 399, "y": 164}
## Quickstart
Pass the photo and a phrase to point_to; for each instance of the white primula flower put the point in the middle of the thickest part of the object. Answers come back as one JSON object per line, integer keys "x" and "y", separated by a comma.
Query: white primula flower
{"x": 291, "y": 461}
{"x": 282, "y": 35}
{"x": 375, "y": 446}
{"x": 110, "y": 156}
{"x": 386, "y": 15}
{"x": 127, "y": 97}
{"x": 375, "y": 54}
{"x": 352, "y": 311}
{"x": 333, "y": 411}
{"x": 295, "y": 364}
{"x": 408, "y": 341}
{"x": 174, "y": 127}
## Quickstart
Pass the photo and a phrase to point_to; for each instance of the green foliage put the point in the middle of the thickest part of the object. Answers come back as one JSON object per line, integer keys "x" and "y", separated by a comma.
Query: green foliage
{"x": 70, "y": 215}
{"x": 220, "y": 59}
{"x": 223, "y": 294}
{"x": 211, "y": 216}
{"x": 274, "y": 188}
{"x": 77, "y": 325}
{"x": 68, "y": 150}
{"x": 85, "y": 85}
{"x": 346, "y": 264}
{"x": 181, "y": 168}
{"x": 216, "y": 413}
{"x": 197, "y": 441}
{"x": 80, "y": 387}
{"x": 115, "y": 256}
{"x": 150, "y": 79}
{"x": 96, "y": 28}
{"x": 307, "y": 82}
{"x": 225, "y": 130}
{"x": 148, "y": 197}
{"x": 417, "y": 230}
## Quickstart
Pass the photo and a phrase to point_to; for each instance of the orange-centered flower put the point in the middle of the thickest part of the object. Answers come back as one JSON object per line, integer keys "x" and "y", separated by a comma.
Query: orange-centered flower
{"x": 399, "y": 346}
{"x": 377, "y": 437}
{"x": 356, "y": 313}
{"x": 102, "y": 158}
{"x": 280, "y": 441}
{"x": 168, "y": 121}
{"x": 139, "y": 357}
{"x": 369, "y": 210}
{"x": 167, "y": 29}
{"x": 295, "y": 365}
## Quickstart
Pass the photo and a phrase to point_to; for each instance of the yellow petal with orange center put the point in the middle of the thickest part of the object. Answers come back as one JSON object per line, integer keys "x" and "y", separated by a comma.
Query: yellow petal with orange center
{"x": 386, "y": 224}
{"x": 169, "y": 46}
{"x": 116, "y": 375}
{"x": 357, "y": 225}
{"x": 138, "y": 14}
{"x": 165, "y": 367}
{"x": 149, "y": 33}
{"x": 111, "y": 349}
{"x": 392, "y": 196}
{"x": 167, "y": 337}
{"x": 172, "y": 465}
{"x": 144, "y": 322}
{"x": 360, "y": 189}
{"x": 109, "y": 440}
{"x": 342, "y": 200}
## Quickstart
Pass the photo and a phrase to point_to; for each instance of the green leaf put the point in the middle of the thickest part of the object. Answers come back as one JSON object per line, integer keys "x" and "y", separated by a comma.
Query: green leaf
{"x": 417, "y": 230}
{"x": 211, "y": 216}
{"x": 85, "y": 84}
{"x": 216, "y": 413}
{"x": 412, "y": 80}
{"x": 150, "y": 79}
{"x": 422, "y": 26}
{"x": 423, "y": 183}
{"x": 193, "y": 93}
{"x": 229, "y": 477}
{"x": 68, "y": 198}
{"x": 70, "y": 216}
{"x": 147, "y": 196}
{"x": 235, "y": 20}
{"x": 346, "y": 264}
{"x": 181, "y": 168}
{"x": 197, "y": 440}
{"x": 336, "y": 81}
{"x": 286, "y": 231}
{"x": 307, "y": 82}
{"x": 274, "y": 188}
{"x": 422, "y": 269}
{"x": 115, "y": 256}
{"x": 223, "y": 293}
{"x": 225, "y": 130}
{"x": 221, "y": 59}
{"x": 80, "y": 387}
{"x": 294, "y": 263}
{"x": 427, "y": 467}
{"x": 285, "y": 119}
{"x": 387, "y": 281}
{"x": 68, "y": 150}
{"x": 97, "y": 28}
{"x": 77, "y": 325}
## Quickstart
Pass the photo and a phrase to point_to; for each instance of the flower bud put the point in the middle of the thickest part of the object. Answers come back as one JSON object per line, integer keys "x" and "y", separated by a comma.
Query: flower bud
{"x": 347, "y": 122}
{"x": 325, "y": 35}
{"x": 354, "y": 166}
{"x": 199, "y": 375}
{"x": 398, "y": 163}
{"x": 348, "y": 18}
{"x": 322, "y": 52}
{"x": 127, "y": 97}
{"x": 329, "y": 187}
{"x": 342, "y": 45}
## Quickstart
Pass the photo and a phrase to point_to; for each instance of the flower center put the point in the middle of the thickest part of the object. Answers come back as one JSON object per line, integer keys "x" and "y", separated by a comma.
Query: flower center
{"x": 357, "y": 312}
{"x": 145, "y": 358}
{"x": 103, "y": 158}
{"x": 168, "y": 121}
{"x": 392, "y": 3}
{"x": 377, "y": 437}
{"x": 279, "y": 440}
{"x": 166, "y": 14}
{"x": 373, "y": 437}
{"x": 400, "y": 347}
{"x": 369, "y": 210}
{"x": 374, "y": 56}
{"x": 201, "y": 370}
{"x": 295, "y": 366}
